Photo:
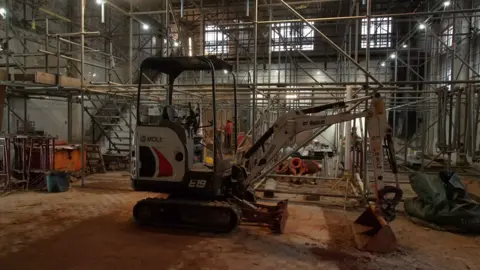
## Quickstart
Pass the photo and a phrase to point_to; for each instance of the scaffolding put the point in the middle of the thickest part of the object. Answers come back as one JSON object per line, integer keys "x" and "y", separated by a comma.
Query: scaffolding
{"x": 422, "y": 56}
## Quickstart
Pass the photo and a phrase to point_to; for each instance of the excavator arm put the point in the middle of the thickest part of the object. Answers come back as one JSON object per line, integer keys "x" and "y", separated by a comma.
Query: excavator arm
{"x": 289, "y": 125}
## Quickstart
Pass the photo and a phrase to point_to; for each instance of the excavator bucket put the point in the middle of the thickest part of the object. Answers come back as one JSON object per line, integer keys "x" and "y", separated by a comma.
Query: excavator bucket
{"x": 372, "y": 232}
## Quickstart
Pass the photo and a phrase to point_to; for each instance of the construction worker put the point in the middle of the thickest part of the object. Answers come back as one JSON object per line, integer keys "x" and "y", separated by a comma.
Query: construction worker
{"x": 228, "y": 134}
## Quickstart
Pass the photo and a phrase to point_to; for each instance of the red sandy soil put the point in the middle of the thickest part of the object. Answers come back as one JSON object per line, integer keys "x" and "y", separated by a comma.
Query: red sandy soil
{"x": 91, "y": 228}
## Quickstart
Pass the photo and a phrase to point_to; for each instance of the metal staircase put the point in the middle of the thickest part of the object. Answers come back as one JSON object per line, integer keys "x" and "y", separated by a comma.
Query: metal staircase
{"x": 111, "y": 123}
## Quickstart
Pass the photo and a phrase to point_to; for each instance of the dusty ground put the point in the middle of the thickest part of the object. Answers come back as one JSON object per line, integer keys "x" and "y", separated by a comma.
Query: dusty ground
{"x": 91, "y": 228}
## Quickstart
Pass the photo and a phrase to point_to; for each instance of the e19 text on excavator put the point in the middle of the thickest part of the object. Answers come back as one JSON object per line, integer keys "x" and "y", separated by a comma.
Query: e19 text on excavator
{"x": 219, "y": 198}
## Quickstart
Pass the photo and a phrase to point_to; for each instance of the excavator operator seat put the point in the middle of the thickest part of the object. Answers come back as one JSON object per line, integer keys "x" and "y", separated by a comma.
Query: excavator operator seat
{"x": 169, "y": 113}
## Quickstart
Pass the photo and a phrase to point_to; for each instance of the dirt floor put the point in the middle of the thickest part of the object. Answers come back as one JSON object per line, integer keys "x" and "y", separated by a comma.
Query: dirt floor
{"x": 92, "y": 228}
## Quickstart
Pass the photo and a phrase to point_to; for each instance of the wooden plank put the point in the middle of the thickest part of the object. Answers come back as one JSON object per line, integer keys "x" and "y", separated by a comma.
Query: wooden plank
{"x": 70, "y": 82}
{"x": 45, "y": 78}
{"x": 50, "y": 79}
{"x": 23, "y": 77}
{"x": 3, "y": 75}
{"x": 16, "y": 77}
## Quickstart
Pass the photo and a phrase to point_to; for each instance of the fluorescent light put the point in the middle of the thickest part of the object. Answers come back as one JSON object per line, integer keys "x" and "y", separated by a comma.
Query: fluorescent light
{"x": 145, "y": 26}
{"x": 291, "y": 96}
{"x": 404, "y": 45}
{"x": 175, "y": 44}
{"x": 382, "y": 64}
{"x": 3, "y": 12}
{"x": 393, "y": 55}
{"x": 446, "y": 3}
{"x": 421, "y": 26}
{"x": 190, "y": 49}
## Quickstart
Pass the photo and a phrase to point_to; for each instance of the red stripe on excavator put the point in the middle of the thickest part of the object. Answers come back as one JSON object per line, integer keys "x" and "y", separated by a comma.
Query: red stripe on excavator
{"x": 165, "y": 168}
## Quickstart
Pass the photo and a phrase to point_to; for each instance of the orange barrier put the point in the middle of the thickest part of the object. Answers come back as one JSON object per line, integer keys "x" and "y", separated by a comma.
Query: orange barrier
{"x": 68, "y": 157}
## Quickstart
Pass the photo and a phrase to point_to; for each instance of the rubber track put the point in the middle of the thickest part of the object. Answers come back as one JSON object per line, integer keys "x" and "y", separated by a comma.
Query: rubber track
{"x": 155, "y": 204}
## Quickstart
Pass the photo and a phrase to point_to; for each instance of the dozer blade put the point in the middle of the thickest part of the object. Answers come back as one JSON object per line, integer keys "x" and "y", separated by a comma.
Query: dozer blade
{"x": 274, "y": 216}
{"x": 372, "y": 233}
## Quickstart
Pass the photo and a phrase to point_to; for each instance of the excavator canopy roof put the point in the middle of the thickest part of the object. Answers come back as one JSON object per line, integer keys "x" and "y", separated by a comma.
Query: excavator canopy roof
{"x": 174, "y": 66}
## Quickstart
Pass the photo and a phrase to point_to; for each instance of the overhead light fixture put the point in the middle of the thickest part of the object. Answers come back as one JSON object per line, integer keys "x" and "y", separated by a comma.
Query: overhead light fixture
{"x": 94, "y": 75}
{"x": 190, "y": 49}
{"x": 145, "y": 26}
{"x": 446, "y": 3}
{"x": 99, "y": 2}
{"x": 3, "y": 12}
{"x": 382, "y": 64}
{"x": 422, "y": 26}
{"x": 225, "y": 71}
{"x": 393, "y": 55}
{"x": 318, "y": 72}
{"x": 175, "y": 44}
{"x": 404, "y": 45}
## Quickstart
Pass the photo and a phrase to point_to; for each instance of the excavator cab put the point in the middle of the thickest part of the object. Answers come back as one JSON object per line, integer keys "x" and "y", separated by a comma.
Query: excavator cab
{"x": 165, "y": 159}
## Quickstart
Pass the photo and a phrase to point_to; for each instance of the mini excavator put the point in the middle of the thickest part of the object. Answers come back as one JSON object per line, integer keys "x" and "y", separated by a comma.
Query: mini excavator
{"x": 218, "y": 198}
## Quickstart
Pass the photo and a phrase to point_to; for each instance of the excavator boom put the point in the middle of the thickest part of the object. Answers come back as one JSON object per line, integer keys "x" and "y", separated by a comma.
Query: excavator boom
{"x": 372, "y": 231}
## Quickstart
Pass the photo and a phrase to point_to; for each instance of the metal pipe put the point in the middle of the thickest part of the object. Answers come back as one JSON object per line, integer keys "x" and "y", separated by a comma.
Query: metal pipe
{"x": 53, "y": 14}
{"x": 312, "y": 85}
{"x": 57, "y": 78}
{"x": 311, "y": 193}
{"x": 69, "y": 119}
{"x": 304, "y": 177}
{"x": 270, "y": 45}
{"x": 27, "y": 55}
{"x": 246, "y": 7}
{"x": 255, "y": 49}
{"x": 82, "y": 93}
{"x": 235, "y": 112}
{"x": 452, "y": 87}
{"x": 130, "y": 51}
{"x": 458, "y": 120}
{"x": 46, "y": 44}
{"x": 199, "y": 88}
{"x": 409, "y": 14}
{"x": 77, "y": 34}
{"x": 348, "y": 137}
